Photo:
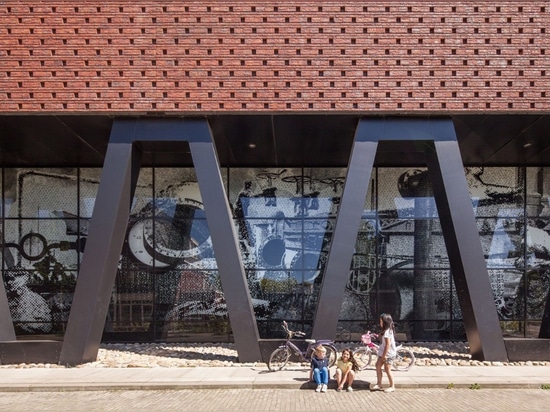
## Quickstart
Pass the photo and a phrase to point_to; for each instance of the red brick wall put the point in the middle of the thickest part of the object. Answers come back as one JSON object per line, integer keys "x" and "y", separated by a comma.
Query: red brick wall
{"x": 211, "y": 56}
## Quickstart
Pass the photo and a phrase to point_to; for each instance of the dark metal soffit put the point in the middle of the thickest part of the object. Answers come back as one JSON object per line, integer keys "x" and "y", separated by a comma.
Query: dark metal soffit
{"x": 270, "y": 141}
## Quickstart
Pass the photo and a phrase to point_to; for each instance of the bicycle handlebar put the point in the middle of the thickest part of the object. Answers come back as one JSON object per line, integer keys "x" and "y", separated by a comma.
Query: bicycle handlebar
{"x": 292, "y": 333}
{"x": 366, "y": 338}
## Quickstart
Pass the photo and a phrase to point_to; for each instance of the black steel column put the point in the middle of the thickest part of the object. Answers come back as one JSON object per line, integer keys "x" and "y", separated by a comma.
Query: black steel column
{"x": 226, "y": 250}
{"x": 468, "y": 265}
{"x": 103, "y": 247}
{"x": 352, "y": 204}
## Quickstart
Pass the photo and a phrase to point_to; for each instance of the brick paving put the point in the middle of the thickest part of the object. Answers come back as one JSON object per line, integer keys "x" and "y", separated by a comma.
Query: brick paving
{"x": 280, "y": 400}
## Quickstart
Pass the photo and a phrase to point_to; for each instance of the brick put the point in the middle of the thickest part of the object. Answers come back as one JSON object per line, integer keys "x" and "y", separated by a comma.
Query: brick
{"x": 170, "y": 50}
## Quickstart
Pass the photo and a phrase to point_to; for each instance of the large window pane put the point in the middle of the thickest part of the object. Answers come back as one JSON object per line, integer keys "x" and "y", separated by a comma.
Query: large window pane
{"x": 502, "y": 240}
{"x": 41, "y": 192}
{"x": 132, "y": 302}
{"x": 538, "y": 243}
{"x": 43, "y": 240}
{"x": 29, "y": 242}
{"x": 538, "y": 192}
{"x": 35, "y": 300}
{"x": 495, "y": 190}
{"x": 506, "y": 286}
{"x": 199, "y": 307}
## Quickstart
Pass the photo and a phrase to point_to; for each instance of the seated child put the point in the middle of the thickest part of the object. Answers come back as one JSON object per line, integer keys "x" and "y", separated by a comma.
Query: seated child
{"x": 346, "y": 367}
{"x": 319, "y": 368}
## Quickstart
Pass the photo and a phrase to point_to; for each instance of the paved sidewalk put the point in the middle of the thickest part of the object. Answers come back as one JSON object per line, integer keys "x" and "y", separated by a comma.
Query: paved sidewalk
{"x": 259, "y": 377}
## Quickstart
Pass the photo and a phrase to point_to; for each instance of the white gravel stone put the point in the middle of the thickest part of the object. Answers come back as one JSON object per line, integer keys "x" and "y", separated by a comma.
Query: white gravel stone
{"x": 176, "y": 355}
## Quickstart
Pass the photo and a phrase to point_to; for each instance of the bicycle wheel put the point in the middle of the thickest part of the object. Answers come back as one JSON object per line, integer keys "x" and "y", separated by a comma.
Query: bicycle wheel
{"x": 278, "y": 359}
{"x": 404, "y": 359}
{"x": 332, "y": 355}
{"x": 343, "y": 335}
{"x": 363, "y": 357}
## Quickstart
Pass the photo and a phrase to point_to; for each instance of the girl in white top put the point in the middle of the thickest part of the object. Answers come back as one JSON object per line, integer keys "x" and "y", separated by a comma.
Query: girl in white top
{"x": 386, "y": 353}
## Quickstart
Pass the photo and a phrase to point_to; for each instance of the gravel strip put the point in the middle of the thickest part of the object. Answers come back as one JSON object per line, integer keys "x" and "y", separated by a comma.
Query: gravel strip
{"x": 177, "y": 355}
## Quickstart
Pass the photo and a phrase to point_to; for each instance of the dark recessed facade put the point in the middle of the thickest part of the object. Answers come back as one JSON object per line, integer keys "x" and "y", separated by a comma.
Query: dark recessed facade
{"x": 201, "y": 171}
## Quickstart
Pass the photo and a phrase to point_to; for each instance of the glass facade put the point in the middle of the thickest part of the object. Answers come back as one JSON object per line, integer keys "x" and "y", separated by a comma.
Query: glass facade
{"x": 167, "y": 285}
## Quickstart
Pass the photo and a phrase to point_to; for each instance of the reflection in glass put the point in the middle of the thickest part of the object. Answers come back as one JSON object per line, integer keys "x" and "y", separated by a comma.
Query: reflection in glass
{"x": 39, "y": 192}
{"x": 502, "y": 239}
{"x": 167, "y": 285}
{"x": 495, "y": 189}
{"x": 42, "y": 247}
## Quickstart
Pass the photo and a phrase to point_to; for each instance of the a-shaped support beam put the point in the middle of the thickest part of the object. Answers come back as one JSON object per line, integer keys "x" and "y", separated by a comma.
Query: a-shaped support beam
{"x": 456, "y": 217}
{"x": 109, "y": 223}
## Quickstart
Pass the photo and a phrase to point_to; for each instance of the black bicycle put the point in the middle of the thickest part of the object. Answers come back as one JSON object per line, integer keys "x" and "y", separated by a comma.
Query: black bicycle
{"x": 280, "y": 356}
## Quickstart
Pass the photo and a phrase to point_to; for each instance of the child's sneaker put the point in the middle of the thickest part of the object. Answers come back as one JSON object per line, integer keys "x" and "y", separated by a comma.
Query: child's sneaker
{"x": 318, "y": 388}
{"x": 375, "y": 388}
{"x": 324, "y": 388}
{"x": 350, "y": 389}
{"x": 389, "y": 389}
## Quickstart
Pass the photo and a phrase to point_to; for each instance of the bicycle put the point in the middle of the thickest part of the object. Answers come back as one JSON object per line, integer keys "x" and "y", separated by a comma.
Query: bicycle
{"x": 280, "y": 356}
{"x": 404, "y": 359}
{"x": 343, "y": 335}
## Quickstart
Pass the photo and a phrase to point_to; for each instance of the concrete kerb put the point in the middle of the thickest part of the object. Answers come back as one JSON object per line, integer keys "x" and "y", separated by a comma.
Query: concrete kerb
{"x": 204, "y": 378}
{"x": 247, "y": 385}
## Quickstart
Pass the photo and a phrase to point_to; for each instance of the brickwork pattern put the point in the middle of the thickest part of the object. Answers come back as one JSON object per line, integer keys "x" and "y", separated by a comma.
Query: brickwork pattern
{"x": 190, "y": 57}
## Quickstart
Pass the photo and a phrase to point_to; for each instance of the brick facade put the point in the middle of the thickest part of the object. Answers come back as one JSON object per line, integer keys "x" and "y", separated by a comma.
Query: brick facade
{"x": 190, "y": 57}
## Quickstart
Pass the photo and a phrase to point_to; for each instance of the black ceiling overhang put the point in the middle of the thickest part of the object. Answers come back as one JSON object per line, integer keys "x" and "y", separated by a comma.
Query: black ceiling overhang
{"x": 270, "y": 141}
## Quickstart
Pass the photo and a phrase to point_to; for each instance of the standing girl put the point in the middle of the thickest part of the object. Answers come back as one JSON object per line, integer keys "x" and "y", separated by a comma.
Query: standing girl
{"x": 386, "y": 353}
